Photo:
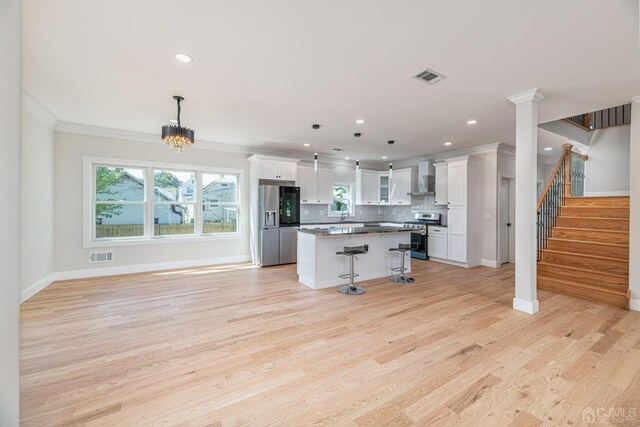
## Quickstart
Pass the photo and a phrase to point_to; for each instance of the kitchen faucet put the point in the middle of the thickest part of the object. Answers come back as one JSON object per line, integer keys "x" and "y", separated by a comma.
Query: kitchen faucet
{"x": 342, "y": 212}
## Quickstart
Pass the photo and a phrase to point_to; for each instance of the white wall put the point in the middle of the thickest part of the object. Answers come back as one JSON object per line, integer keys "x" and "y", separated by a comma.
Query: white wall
{"x": 36, "y": 188}
{"x": 70, "y": 253}
{"x": 607, "y": 170}
{"x": 10, "y": 83}
{"x": 489, "y": 248}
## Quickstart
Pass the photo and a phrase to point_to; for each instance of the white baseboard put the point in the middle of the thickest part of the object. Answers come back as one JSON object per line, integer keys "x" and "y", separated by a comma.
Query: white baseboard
{"x": 128, "y": 269}
{"x": 529, "y": 307}
{"x": 446, "y": 261}
{"x": 489, "y": 263}
{"x": 634, "y": 304}
{"x": 27, "y": 293}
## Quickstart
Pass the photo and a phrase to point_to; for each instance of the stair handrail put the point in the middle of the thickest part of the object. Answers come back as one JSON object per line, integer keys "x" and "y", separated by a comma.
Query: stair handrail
{"x": 559, "y": 186}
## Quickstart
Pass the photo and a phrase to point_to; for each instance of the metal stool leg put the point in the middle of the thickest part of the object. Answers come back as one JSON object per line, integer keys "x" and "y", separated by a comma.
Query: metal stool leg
{"x": 401, "y": 278}
{"x": 351, "y": 288}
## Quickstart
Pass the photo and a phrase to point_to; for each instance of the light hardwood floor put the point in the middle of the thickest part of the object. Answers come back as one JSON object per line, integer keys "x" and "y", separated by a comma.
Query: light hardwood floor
{"x": 238, "y": 345}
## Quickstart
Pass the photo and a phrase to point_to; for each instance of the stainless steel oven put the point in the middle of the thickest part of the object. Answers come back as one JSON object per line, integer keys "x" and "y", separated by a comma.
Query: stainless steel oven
{"x": 420, "y": 235}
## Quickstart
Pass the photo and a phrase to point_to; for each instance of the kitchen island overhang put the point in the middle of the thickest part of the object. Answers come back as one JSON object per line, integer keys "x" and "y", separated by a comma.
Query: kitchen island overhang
{"x": 319, "y": 267}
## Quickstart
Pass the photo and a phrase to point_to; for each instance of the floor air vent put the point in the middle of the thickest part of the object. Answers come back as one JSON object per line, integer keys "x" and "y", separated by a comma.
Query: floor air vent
{"x": 430, "y": 76}
{"x": 100, "y": 256}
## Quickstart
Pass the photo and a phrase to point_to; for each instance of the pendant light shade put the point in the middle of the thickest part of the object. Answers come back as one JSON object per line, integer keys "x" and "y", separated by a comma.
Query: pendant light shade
{"x": 177, "y": 137}
{"x": 390, "y": 170}
{"x": 357, "y": 167}
{"x": 315, "y": 162}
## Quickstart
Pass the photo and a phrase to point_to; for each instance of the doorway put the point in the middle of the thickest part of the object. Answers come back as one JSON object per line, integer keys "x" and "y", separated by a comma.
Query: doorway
{"x": 506, "y": 221}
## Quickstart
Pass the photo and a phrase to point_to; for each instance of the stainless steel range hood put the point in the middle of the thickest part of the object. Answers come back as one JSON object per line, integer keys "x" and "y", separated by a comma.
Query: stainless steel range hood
{"x": 424, "y": 183}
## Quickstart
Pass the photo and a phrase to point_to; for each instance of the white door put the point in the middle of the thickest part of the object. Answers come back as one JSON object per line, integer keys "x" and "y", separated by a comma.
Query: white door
{"x": 457, "y": 183}
{"x": 512, "y": 220}
{"x": 506, "y": 226}
{"x": 304, "y": 184}
{"x": 437, "y": 246}
{"x": 400, "y": 186}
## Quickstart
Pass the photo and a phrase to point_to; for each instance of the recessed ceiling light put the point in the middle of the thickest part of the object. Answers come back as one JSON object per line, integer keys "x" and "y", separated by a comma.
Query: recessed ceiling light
{"x": 306, "y": 145}
{"x": 448, "y": 143}
{"x": 346, "y": 158}
{"x": 357, "y": 134}
{"x": 183, "y": 57}
{"x": 472, "y": 122}
{"x": 548, "y": 149}
{"x": 360, "y": 121}
{"x": 384, "y": 157}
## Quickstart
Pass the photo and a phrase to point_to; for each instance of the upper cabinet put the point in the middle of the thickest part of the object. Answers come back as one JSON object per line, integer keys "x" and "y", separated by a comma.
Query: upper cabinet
{"x": 457, "y": 183}
{"x": 315, "y": 187}
{"x": 275, "y": 168}
{"x": 376, "y": 188}
{"x": 367, "y": 188}
{"x": 442, "y": 179}
{"x": 400, "y": 187}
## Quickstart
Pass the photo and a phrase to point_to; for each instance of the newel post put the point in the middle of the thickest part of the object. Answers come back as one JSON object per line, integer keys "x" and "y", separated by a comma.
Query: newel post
{"x": 567, "y": 169}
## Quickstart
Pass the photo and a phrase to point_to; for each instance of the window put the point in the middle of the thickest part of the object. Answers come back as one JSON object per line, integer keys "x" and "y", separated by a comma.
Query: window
{"x": 173, "y": 202}
{"x": 143, "y": 202}
{"x": 342, "y": 200}
{"x": 119, "y": 202}
{"x": 219, "y": 203}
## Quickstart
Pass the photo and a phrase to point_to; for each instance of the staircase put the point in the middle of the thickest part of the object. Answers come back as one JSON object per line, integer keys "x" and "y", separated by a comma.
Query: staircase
{"x": 583, "y": 242}
{"x": 587, "y": 250}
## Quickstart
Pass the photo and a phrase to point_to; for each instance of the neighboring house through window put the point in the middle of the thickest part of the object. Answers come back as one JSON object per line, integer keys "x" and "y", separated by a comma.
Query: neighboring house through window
{"x": 342, "y": 200}
{"x": 130, "y": 201}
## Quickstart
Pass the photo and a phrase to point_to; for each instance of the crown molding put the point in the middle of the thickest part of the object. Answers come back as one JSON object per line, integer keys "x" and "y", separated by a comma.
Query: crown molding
{"x": 34, "y": 107}
{"x": 529, "y": 95}
{"x": 636, "y": 99}
{"x": 473, "y": 151}
{"x": 125, "y": 135}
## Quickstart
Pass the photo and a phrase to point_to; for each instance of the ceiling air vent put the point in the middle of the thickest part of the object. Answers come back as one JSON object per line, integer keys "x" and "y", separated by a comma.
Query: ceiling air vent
{"x": 338, "y": 149}
{"x": 430, "y": 76}
{"x": 100, "y": 256}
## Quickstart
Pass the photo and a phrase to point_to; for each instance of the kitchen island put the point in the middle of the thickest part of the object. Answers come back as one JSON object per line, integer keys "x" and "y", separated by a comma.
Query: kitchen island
{"x": 319, "y": 266}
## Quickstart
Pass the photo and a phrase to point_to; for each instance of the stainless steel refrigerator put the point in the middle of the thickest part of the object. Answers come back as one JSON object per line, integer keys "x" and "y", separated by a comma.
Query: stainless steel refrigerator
{"x": 279, "y": 217}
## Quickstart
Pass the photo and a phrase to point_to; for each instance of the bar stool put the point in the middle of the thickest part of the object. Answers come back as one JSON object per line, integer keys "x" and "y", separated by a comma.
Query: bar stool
{"x": 352, "y": 251}
{"x": 403, "y": 248}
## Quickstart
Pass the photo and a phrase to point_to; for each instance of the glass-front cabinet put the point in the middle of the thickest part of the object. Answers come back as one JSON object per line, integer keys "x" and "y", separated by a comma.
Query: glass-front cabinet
{"x": 384, "y": 189}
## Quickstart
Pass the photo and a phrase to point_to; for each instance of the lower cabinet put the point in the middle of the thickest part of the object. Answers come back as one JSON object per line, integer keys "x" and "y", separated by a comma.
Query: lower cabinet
{"x": 437, "y": 242}
{"x": 457, "y": 235}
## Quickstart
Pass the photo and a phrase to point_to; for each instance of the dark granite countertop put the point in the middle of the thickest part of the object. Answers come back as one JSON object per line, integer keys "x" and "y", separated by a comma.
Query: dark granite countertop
{"x": 347, "y": 222}
{"x": 355, "y": 230}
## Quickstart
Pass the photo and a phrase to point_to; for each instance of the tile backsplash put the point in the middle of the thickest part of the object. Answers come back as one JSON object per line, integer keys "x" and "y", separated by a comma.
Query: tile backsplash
{"x": 420, "y": 204}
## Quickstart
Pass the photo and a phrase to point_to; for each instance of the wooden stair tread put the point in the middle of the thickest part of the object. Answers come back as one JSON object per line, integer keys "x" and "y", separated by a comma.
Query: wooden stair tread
{"x": 562, "y": 239}
{"x": 594, "y": 217}
{"x": 583, "y": 255}
{"x": 621, "y": 292}
{"x": 599, "y": 230}
{"x": 582, "y": 270}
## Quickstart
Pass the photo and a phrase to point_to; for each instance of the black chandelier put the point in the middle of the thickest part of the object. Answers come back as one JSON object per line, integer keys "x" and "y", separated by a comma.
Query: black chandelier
{"x": 176, "y": 136}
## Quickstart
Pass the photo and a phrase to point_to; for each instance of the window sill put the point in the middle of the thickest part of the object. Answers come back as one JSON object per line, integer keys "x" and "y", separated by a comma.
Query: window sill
{"x": 160, "y": 240}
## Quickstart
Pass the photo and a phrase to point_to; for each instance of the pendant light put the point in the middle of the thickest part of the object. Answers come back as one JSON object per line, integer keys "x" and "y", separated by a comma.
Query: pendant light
{"x": 357, "y": 167}
{"x": 177, "y": 137}
{"x": 315, "y": 162}
{"x": 390, "y": 170}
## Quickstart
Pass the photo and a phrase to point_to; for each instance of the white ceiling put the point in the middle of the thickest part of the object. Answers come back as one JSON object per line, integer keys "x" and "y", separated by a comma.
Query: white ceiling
{"x": 265, "y": 70}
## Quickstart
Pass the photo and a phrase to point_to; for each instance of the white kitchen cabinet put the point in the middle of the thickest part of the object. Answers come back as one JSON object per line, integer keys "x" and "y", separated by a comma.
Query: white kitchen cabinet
{"x": 367, "y": 188}
{"x": 275, "y": 168}
{"x": 457, "y": 234}
{"x": 437, "y": 242}
{"x": 315, "y": 187}
{"x": 325, "y": 186}
{"x": 400, "y": 187}
{"x": 441, "y": 197}
{"x": 457, "y": 183}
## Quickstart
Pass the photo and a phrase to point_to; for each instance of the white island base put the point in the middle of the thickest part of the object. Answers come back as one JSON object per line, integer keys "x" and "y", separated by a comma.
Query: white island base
{"x": 319, "y": 266}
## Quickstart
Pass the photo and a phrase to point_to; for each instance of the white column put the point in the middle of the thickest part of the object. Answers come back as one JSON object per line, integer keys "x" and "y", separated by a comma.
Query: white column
{"x": 10, "y": 83}
{"x": 526, "y": 298}
{"x": 634, "y": 192}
